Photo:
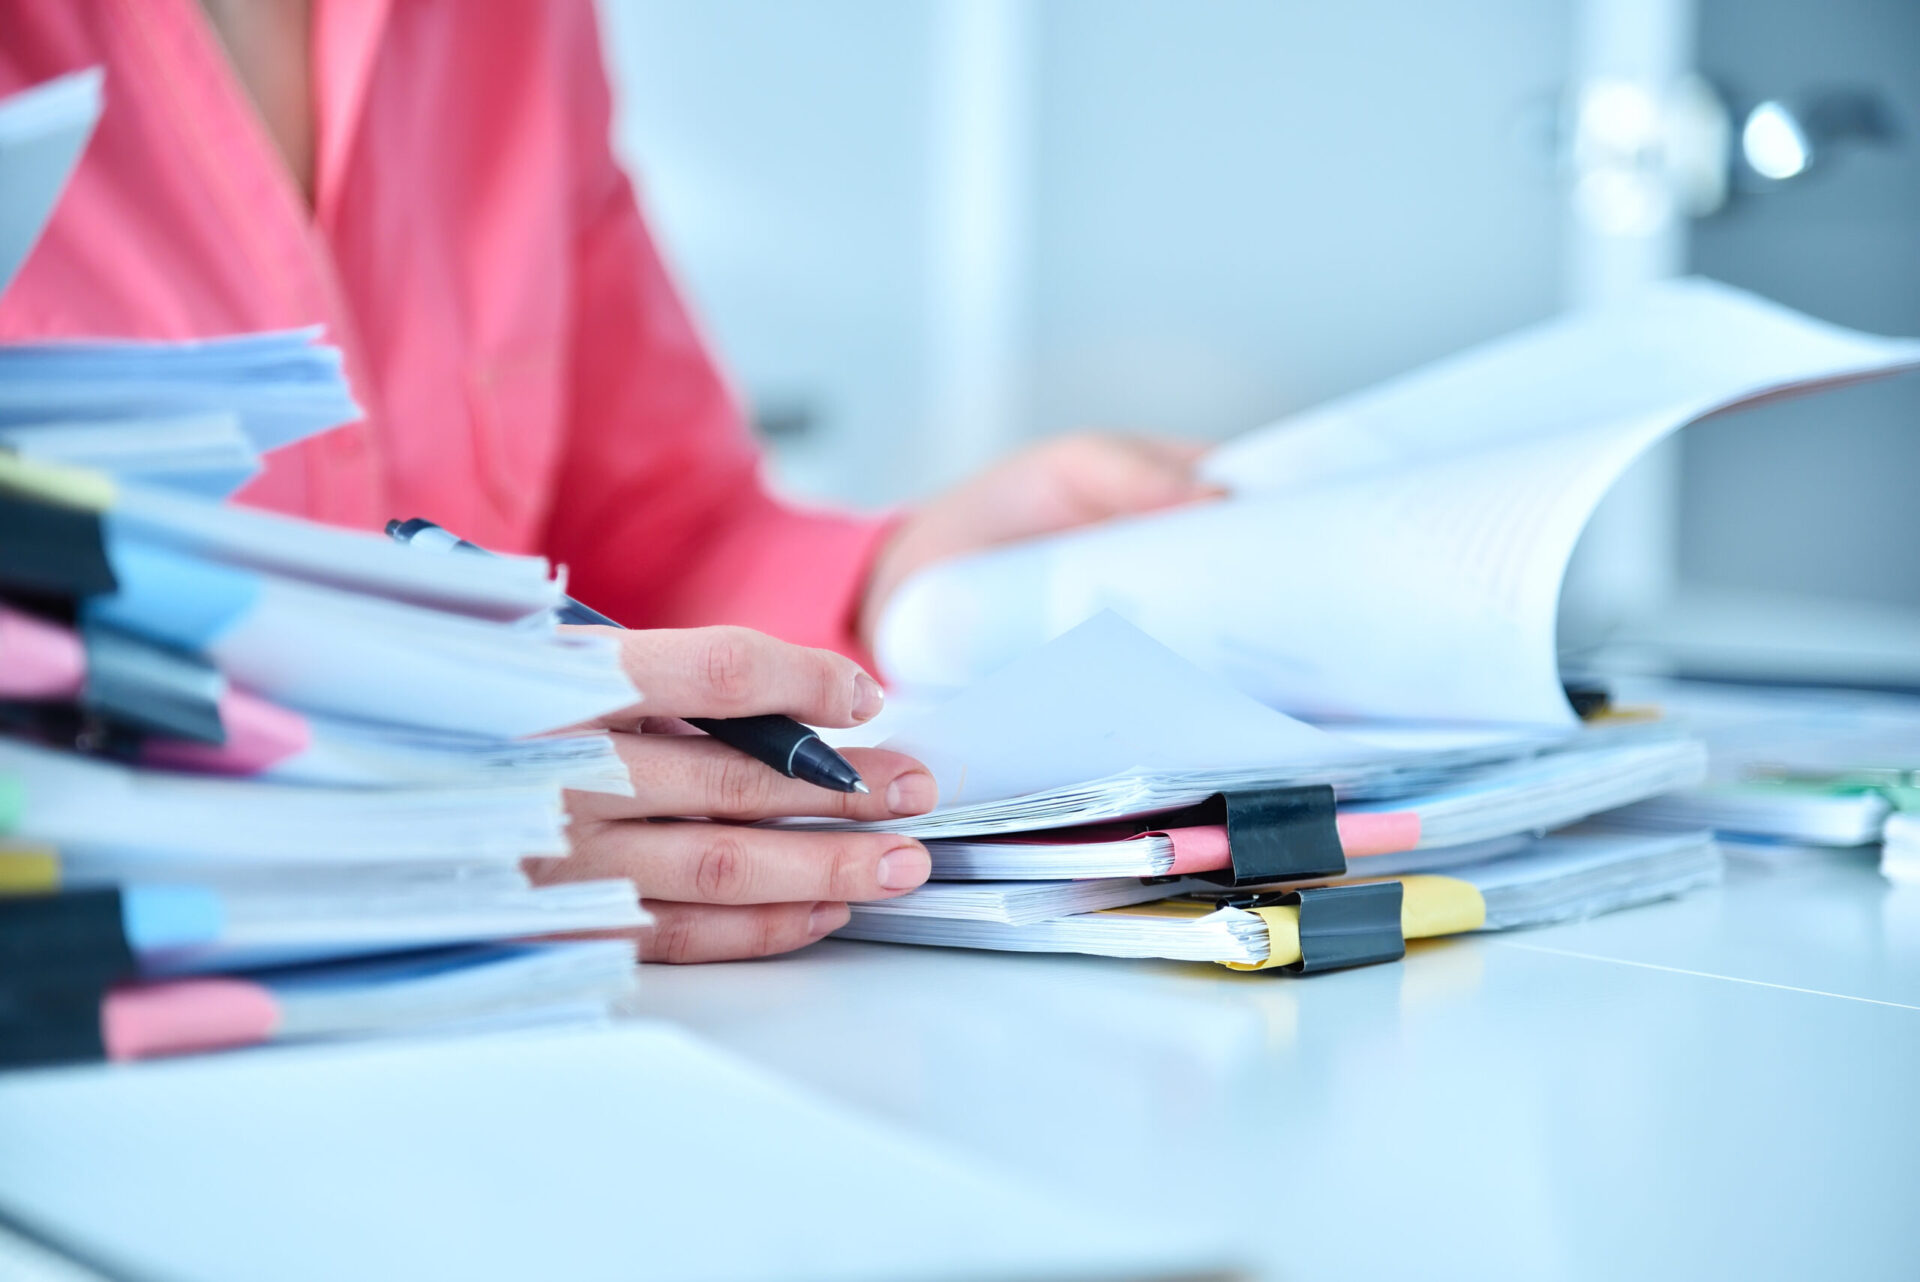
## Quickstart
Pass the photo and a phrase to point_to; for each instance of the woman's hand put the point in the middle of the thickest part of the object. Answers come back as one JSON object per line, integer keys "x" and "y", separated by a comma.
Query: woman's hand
{"x": 1057, "y": 485}
{"x": 717, "y": 889}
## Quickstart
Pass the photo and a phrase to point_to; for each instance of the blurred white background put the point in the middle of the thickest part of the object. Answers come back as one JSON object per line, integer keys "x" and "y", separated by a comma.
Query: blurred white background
{"x": 924, "y": 231}
{"x": 937, "y": 227}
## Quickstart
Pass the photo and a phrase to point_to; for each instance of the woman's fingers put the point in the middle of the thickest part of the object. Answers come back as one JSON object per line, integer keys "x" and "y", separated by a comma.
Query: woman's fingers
{"x": 721, "y": 890}
{"x": 695, "y": 775}
{"x": 1120, "y": 476}
{"x": 717, "y": 863}
{"x": 709, "y": 932}
{"x": 737, "y": 672}
{"x": 1175, "y": 451}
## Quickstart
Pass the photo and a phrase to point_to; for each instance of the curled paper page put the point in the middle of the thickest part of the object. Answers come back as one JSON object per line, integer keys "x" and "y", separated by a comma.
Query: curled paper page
{"x": 1399, "y": 553}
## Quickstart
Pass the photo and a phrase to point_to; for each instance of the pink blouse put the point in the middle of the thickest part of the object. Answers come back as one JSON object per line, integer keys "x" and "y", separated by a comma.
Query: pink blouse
{"x": 531, "y": 377}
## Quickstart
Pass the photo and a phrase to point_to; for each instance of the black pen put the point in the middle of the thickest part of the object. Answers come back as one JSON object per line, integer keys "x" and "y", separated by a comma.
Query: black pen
{"x": 783, "y": 743}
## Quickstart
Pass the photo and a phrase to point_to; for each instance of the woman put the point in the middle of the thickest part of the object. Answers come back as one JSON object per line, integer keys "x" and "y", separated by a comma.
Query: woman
{"x": 432, "y": 181}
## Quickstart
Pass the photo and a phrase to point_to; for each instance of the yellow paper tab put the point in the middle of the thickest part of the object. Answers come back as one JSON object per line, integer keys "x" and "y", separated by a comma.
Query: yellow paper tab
{"x": 28, "y": 870}
{"x": 1283, "y": 938}
{"x": 56, "y": 483}
{"x": 1433, "y": 906}
{"x": 1429, "y": 906}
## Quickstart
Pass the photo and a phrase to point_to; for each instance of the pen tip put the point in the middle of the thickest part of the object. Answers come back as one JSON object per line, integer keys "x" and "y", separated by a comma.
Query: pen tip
{"x": 859, "y": 785}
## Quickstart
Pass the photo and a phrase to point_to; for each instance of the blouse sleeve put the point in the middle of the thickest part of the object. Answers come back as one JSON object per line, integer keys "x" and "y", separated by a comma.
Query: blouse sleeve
{"x": 660, "y": 513}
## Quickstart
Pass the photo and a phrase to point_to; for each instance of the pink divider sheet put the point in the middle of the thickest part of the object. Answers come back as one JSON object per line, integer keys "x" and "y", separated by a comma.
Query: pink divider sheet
{"x": 143, "y": 1020}
{"x": 259, "y": 734}
{"x": 1204, "y": 849}
{"x": 39, "y": 660}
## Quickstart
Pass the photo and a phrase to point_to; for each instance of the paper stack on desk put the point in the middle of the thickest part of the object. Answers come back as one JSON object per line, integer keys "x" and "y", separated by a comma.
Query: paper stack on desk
{"x": 1049, "y": 840}
{"x": 1900, "y": 851}
{"x": 192, "y": 416}
{"x": 259, "y": 779}
{"x": 1395, "y": 557}
{"x": 1795, "y": 773}
{"x": 209, "y": 769}
{"x": 278, "y": 773}
{"x": 1526, "y": 882}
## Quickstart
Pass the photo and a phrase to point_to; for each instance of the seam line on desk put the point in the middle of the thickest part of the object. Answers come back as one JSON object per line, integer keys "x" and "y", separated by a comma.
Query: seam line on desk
{"x": 1701, "y": 974}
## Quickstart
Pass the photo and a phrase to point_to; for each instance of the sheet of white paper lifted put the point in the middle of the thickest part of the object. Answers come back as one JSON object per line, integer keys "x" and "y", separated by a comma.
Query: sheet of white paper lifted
{"x": 1105, "y": 721}
{"x": 1399, "y": 552}
{"x": 43, "y": 130}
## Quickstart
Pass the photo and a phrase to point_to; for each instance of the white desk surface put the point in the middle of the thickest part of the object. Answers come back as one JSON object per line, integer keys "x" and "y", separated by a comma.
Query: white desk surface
{"x": 1724, "y": 1086}
{"x": 1720, "y": 1087}
{"x": 624, "y": 1153}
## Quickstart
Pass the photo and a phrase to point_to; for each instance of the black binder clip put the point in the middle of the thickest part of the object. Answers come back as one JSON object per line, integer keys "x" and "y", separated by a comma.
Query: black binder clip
{"x": 74, "y": 932}
{"x": 1589, "y": 699}
{"x": 52, "y": 550}
{"x": 141, "y": 686}
{"x": 1277, "y": 834}
{"x": 51, "y": 1021}
{"x": 1343, "y": 926}
{"x": 70, "y": 726}
{"x": 1340, "y": 926}
{"x": 59, "y": 956}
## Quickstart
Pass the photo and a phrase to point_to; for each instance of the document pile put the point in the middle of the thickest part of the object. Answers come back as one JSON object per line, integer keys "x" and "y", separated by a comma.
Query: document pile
{"x": 1795, "y": 773}
{"x": 1388, "y": 568}
{"x": 260, "y": 779}
{"x": 1108, "y": 824}
{"x": 1900, "y": 853}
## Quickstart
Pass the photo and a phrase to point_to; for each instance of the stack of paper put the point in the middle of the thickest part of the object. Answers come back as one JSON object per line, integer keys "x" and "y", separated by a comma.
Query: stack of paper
{"x": 193, "y": 416}
{"x": 1794, "y": 773}
{"x": 1526, "y": 882}
{"x": 1900, "y": 855}
{"x": 202, "y": 453}
{"x": 1544, "y": 791}
{"x": 1393, "y": 558}
{"x": 216, "y": 769}
{"x": 258, "y": 778}
{"x": 1075, "y": 831}
{"x": 1579, "y": 872}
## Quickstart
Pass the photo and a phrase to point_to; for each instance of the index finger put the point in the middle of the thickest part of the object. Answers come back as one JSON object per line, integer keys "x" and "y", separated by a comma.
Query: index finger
{"x": 1176, "y": 450}
{"x": 737, "y": 672}
{"x": 695, "y": 775}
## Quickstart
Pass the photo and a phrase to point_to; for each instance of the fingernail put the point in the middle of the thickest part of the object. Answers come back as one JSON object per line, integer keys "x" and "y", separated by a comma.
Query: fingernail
{"x": 826, "y": 917}
{"x": 868, "y": 697}
{"x": 913, "y": 793}
{"x": 905, "y": 868}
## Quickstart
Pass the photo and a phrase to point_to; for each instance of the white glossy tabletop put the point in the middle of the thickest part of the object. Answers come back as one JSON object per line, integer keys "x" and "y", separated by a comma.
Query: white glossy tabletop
{"x": 1722, "y": 1086}
{"x": 616, "y": 1154}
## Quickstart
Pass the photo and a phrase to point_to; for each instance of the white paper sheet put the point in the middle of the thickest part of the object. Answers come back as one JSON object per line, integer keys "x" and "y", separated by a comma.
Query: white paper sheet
{"x": 1103, "y": 700}
{"x": 1676, "y": 348}
{"x": 1021, "y": 903}
{"x": 1399, "y": 553}
{"x": 110, "y": 818}
{"x": 203, "y": 454}
{"x": 43, "y": 130}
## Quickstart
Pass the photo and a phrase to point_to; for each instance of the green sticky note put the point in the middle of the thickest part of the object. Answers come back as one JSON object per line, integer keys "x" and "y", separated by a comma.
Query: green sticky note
{"x": 13, "y": 801}
{"x": 1905, "y": 797}
{"x": 1835, "y": 785}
